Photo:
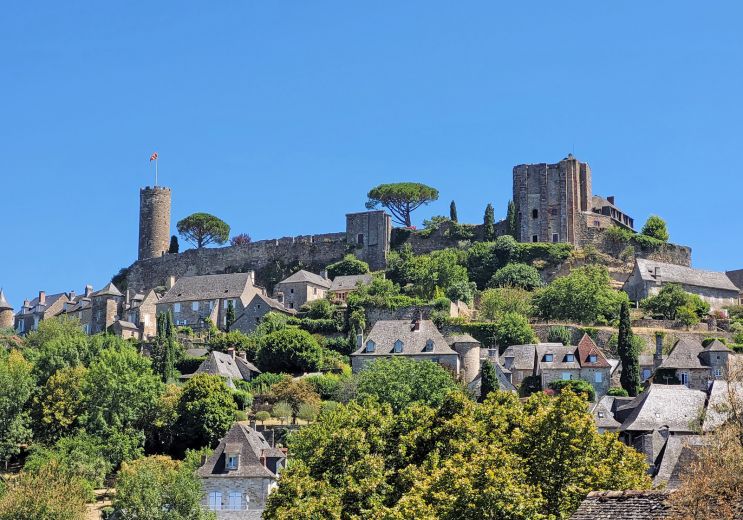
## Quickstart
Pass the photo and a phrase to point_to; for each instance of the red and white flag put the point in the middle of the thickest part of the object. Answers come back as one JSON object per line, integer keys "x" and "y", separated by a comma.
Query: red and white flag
{"x": 153, "y": 157}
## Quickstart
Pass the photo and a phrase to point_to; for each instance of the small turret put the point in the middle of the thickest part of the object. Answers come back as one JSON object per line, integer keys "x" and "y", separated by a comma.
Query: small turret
{"x": 6, "y": 313}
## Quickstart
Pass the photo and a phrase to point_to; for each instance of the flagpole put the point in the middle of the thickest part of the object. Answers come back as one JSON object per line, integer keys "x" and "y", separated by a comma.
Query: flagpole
{"x": 155, "y": 173}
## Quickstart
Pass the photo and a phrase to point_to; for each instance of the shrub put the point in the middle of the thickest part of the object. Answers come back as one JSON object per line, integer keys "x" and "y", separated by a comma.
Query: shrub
{"x": 496, "y": 302}
{"x": 655, "y": 227}
{"x": 577, "y": 386}
{"x": 263, "y": 382}
{"x": 618, "y": 234}
{"x": 282, "y": 411}
{"x": 516, "y": 275}
{"x": 319, "y": 310}
{"x": 513, "y": 329}
{"x": 189, "y": 365}
{"x": 559, "y": 334}
{"x": 325, "y": 385}
{"x": 289, "y": 350}
{"x": 617, "y": 391}
{"x": 243, "y": 399}
{"x": 262, "y": 416}
{"x": 350, "y": 265}
{"x": 308, "y": 412}
{"x": 707, "y": 341}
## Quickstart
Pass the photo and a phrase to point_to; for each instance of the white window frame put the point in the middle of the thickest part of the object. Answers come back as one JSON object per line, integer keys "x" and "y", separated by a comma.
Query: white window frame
{"x": 370, "y": 346}
{"x": 176, "y": 307}
{"x": 215, "y": 501}
{"x": 548, "y": 358}
{"x": 718, "y": 372}
{"x": 230, "y": 460}
{"x": 569, "y": 358}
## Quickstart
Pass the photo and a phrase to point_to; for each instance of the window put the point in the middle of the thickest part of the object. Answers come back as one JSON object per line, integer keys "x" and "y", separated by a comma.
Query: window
{"x": 235, "y": 501}
{"x": 601, "y": 415}
{"x": 592, "y": 358}
{"x": 360, "y": 238}
{"x": 314, "y": 291}
{"x": 555, "y": 237}
{"x": 21, "y": 326}
{"x": 176, "y": 307}
{"x": 291, "y": 305}
{"x": 598, "y": 377}
{"x": 398, "y": 346}
{"x": 291, "y": 291}
{"x": 684, "y": 377}
{"x": 194, "y": 306}
{"x": 232, "y": 462}
{"x": 548, "y": 358}
{"x": 371, "y": 346}
{"x": 429, "y": 346}
{"x": 569, "y": 358}
{"x": 215, "y": 501}
{"x": 567, "y": 376}
{"x": 718, "y": 372}
{"x": 535, "y": 213}
{"x": 645, "y": 374}
{"x": 227, "y": 303}
{"x": 87, "y": 328}
{"x": 535, "y": 238}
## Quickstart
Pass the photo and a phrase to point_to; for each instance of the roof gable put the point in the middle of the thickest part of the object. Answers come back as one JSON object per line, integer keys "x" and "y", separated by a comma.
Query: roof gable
{"x": 684, "y": 355}
{"x": 208, "y": 287}
{"x": 249, "y": 445}
{"x": 307, "y": 277}
{"x": 385, "y": 333}
{"x": 345, "y": 283}
{"x": 671, "y": 273}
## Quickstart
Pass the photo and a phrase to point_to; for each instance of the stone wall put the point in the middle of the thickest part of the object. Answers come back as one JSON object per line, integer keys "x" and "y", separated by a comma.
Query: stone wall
{"x": 447, "y": 235}
{"x": 154, "y": 221}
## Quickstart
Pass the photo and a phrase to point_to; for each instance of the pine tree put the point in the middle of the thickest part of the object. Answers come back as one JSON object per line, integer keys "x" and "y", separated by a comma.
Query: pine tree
{"x": 453, "y": 211}
{"x": 511, "y": 219}
{"x": 488, "y": 380}
{"x": 230, "y": 317}
{"x": 489, "y": 223}
{"x": 174, "y": 247}
{"x": 628, "y": 354}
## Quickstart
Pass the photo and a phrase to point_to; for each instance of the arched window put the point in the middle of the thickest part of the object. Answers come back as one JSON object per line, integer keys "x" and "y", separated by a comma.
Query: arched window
{"x": 429, "y": 346}
{"x": 398, "y": 346}
{"x": 371, "y": 346}
{"x": 535, "y": 213}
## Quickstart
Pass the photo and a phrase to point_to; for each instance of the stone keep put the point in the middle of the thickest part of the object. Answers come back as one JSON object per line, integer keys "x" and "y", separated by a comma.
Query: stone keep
{"x": 550, "y": 199}
{"x": 154, "y": 221}
{"x": 369, "y": 234}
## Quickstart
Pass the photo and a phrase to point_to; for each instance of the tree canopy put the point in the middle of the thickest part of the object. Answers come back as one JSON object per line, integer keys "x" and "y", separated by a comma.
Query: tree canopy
{"x": 672, "y": 299}
{"x": 655, "y": 227}
{"x": 202, "y": 229}
{"x": 349, "y": 265}
{"x": 289, "y": 350}
{"x": 206, "y": 411}
{"x": 16, "y": 387}
{"x": 513, "y": 329}
{"x": 401, "y": 199}
{"x": 517, "y": 275}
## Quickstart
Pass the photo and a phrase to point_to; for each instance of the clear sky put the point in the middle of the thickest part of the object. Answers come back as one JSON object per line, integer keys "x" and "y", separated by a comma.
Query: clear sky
{"x": 278, "y": 116}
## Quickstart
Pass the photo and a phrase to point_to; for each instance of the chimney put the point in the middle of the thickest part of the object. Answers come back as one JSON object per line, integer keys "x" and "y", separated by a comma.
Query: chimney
{"x": 231, "y": 352}
{"x": 658, "y": 357}
{"x": 280, "y": 297}
{"x": 243, "y": 355}
{"x": 170, "y": 282}
{"x": 417, "y": 321}
{"x": 252, "y": 277}
{"x": 42, "y": 298}
{"x": 71, "y": 296}
{"x": 26, "y": 304}
{"x": 657, "y": 272}
{"x": 324, "y": 273}
{"x": 88, "y": 290}
{"x": 610, "y": 198}
{"x": 359, "y": 340}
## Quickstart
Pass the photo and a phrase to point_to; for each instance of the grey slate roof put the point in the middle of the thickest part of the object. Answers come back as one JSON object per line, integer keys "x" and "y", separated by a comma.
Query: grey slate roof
{"x": 721, "y": 396}
{"x": 196, "y": 352}
{"x": 51, "y": 299}
{"x": 503, "y": 383}
{"x": 208, "y": 287}
{"x": 677, "y": 454}
{"x": 717, "y": 346}
{"x": 249, "y": 444}
{"x": 559, "y": 357}
{"x": 108, "y": 290}
{"x": 250, "y": 514}
{"x": 674, "y": 406}
{"x": 624, "y": 505}
{"x": 671, "y": 273}
{"x": 345, "y": 283}
{"x": 461, "y": 338}
{"x": 4, "y": 305}
{"x": 127, "y": 324}
{"x": 603, "y": 416}
{"x": 271, "y": 303}
{"x": 385, "y": 333}
{"x": 307, "y": 277}
{"x": 684, "y": 355}
{"x": 221, "y": 364}
{"x": 520, "y": 357}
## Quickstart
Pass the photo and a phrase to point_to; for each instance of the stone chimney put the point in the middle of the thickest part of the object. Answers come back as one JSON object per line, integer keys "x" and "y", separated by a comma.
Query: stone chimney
{"x": 417, "y": 321}
{"x": 231, "y": 352}
{"x": 243, "y": 355}
{"x": 88, "y": 290}
{"x": 42, "y": 298}
{"x": 324, "y": 273}
{"x": 170, "y": 282}
{"x": 252, "y": 277}
{"x": 71, "y": 296}
{"x": 658, "y": 356}
{"x": 26, "y": 304}
{"x": 610, "y": 198}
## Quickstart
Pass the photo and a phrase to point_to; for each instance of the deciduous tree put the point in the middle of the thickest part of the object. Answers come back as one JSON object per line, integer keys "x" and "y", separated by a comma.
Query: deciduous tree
{"x": 517, "y": 275}
{"x": 513, "y": 329}
{"x": 289, "y": 350}
{"x": 350, "y": 265}
{"x": 206, "y": 411}
{"x": 16, "y": 387}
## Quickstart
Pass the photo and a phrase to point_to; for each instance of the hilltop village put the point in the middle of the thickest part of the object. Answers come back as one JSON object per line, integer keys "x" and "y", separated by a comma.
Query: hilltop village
{"x": 386, "y": 370}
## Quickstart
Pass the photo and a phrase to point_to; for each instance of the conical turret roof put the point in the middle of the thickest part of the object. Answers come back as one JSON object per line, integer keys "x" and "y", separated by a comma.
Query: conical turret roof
{"x": 108, "y": 290}
{"x": 4, "y": 305}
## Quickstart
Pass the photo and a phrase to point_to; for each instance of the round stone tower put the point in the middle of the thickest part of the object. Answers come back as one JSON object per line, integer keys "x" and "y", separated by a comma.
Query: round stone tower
{"x": 154, "y": 221}
{"x": 468, "y": 349}
{"x": 6, "y": 313}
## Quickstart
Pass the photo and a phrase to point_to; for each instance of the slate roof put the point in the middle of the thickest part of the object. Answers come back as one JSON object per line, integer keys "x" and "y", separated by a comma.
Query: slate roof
{"x": 684, "y": 355}
{"x": 108, "y": 290}
{"x": 127, "y": 324}
{"x": 674, "y": 406}
{"x": 221, "y": 364}
{"x": 345, "y": 283}
{"x": 196, "y": 352}
{"x": 461, "y": 338}
{"x": 624, "y": 505}
{"x": 721, "y": 396}
{"x": 385, "y": 333}
{"x": 522, "y": 355}
{"x": 208, "y": 287}
{"x": 51, "y": 299}
{"x": 603, "y": 416}
{"x": 271, "y": 303}
{"x": 249, "y": 445}
{"x": 671, "y": 273}
{"x": 307, "y": 277}
{"x": 4, "y": 305}
{"x": 503, "y": 383}
{"x": 678, "y": 453}
{"x": 559, "y": 357}
{"x": 717, "y": 346}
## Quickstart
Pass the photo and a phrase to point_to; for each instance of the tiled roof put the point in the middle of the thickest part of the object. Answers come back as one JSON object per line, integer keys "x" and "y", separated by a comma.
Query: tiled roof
{"x": 684, "y": 355}
{"x": 271, "y": 303}
{"x": 127, "y": 325}
{"x": 196, "y": 352}
{"x": 221, "y": 364}
{"x": 673, "y": 406}
{"x": 603, "y": 416}
{"x": 671, "y": 273}
{"x": 4, "y": 305}
{"x": 250, "y": 446}
{"x": 385, "y": 333}
{"x": 345, "y": 283}
{"x": 461, "y": 338}
{"x": 208, "y": 287}
{"x": 624, "y": 505}
{"x": 587, "y": 347}
{"x": 307, "y": 277}
{"x": 51, "y": 299}
{"x": 108, "y": 290}
{"x": 523, "y": 357}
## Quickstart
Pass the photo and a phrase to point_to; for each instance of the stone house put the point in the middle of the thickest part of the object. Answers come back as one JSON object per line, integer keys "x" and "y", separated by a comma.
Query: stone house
{"x": 193, "y": 299}
{"x": 40, "y": 308}
{"x": 126, "y": 330}
{"x": 649, "y": 276}
{"x": 240, "y": 473}
{"x": 141, "y": 310}
{"x": 343, "y": 285}
{"x": 228, "y": 365}
{"x": 80, "y": 308}
{"x": 300, "y": 288}
{"x": 694, "y": 365}
{"x": 418, "y": 340}
{"x": 106, "y": 306}
{"x": 254, "y": 312}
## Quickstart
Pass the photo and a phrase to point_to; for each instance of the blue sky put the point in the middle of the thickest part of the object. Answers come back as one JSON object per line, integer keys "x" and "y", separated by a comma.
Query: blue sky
{"x": 279, "y": 116}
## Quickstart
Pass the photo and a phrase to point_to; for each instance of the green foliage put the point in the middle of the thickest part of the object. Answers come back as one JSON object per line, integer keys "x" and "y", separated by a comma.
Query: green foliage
{"x": 243, "y": 399}
{"x": 380, "y": 293}
{"x": 262, "y": 416}
{"x": 518, "y": 275}
{"x": 322, "y": 326}
{"x": 488, "y": 222}
{"x": 511, "y": 219}
{"x": 295, "y": 392}
{"x": 670, "y": 299}
{"x": 271, "y": 322}
{"x": 426, "y": 276}
{"x": 432, "y": 224}
{"x": 166, "y": 351}
{"x": 289, "y": 350}
{"x": 628, "y": 353}
{"x": 202, "y": 229}
{"x": 16, "y": 387}
{"x": 496, "y": 302}
{"x": 577, "y": 386}
{"x": 513, "y": 329}
{"x": 320, "y": 309}
{"x": 159, "y": 488}
{"x": 350, "y": 265}
{"x": 617, "y": 392}
{"x": 583, "y": 296}
{"x": 206, "y": 409}
{"x": 453, "y": 212}
{"x": 619, "y": 235}
{"x": 58, "y": 404}
{"x": 399, "y": 381}
{"x": 655, "y": 227}
{"x": 325, "y": 385}
{"x": 459, "y": 461}
{"x": 401, "y": 199}
{"x": 262, "y": 384}
{"x": 489, "y": 380}
{"x": 308, "y": 412}
{"x": 59, "y": 343}
{"x": 240, "y": 341}
{"x": 229, "y": 315}
{"x": 530, "y": 385}
{"x": 559, "y": 334}
{"x": 687, "y": 316}
{"x": 282, "y": 411}
{"x": 174, "y": 246}
{"x": 189, "y": 365}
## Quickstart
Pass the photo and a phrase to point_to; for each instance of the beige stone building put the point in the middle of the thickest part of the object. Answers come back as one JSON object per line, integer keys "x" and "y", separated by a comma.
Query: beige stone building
{"x": 40, "y": 308}
{"x": 254, "y": 312}
{"x": 300, "y": 288}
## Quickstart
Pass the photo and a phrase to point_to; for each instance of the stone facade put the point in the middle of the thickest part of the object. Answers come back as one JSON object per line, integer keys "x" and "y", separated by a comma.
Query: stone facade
{"x": 300, "y": 288}
{"x": 154, "y": 222}
{"x": 369, "y": 232}
{"x": 253, "y": 491}
{"x": 254, "y": 312}
{"x": 6, "y": 313}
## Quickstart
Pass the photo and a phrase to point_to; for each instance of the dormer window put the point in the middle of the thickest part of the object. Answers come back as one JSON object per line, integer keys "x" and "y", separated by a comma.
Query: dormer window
{"x": 569, "y": 358}
{"x": 592, "y": 358}
{"x": 429, "y": 346}
{"x": 398, "y": 347}
{"x": 371, "y": 346}
{"x": 548, "y": 358}
{"x": 601, "y": 415}
{"x": 232, "y": 461}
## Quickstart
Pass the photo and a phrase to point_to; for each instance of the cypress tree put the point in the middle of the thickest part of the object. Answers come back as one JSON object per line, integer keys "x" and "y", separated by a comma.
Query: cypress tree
{"x": 488, "y": 380}
{"x": 628, "y": 354}
{"x": 230, "y": 317}
{"x": 489, "y": 223}
{"x": 165, "y": 349}
{"x": 174, "y": 247}
{"x": 453, "y": 211}
{"x": 511, "y": 219}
